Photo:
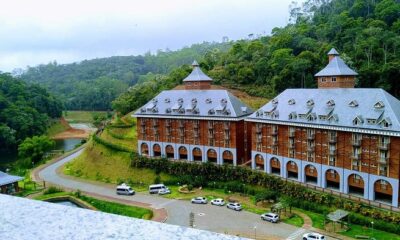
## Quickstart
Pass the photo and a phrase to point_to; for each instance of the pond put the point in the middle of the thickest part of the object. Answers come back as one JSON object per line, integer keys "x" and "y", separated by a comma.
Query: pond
{"x": 67, "y": 144}
{"x": 7, "y": 158}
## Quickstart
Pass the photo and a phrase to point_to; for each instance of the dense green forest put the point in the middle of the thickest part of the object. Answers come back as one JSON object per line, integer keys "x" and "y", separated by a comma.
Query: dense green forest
{"x": 25, "y": 110}
{"x": 365, "y": 32}
{"x": 93, "y": 84}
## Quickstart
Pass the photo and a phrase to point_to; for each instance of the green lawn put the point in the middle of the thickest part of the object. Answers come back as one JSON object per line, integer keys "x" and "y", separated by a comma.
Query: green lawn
{"x": 294, "y": 220}
{"x": 55, "y": 128}
{"x": 82, "y": 116}
{"x": 377, "y": 234}
{"x": 105, "y": 206}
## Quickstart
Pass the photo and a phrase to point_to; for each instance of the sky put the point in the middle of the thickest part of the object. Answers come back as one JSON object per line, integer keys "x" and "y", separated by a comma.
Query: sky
{"x": 33, "y": 32}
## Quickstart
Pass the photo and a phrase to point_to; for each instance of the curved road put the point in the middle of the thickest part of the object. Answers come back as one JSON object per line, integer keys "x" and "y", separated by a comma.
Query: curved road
{"x": 207, "y": 217}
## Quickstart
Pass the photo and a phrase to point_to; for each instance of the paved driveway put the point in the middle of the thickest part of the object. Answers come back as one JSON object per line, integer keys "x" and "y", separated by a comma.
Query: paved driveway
{"x": 207, "y": 217}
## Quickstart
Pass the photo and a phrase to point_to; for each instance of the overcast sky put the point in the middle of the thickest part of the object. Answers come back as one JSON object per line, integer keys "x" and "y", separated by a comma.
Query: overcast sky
{"x": 40, "y": 31}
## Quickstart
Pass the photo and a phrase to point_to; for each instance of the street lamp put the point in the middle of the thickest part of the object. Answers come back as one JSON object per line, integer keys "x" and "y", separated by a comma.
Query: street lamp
{"x": 255, "y": 232}
{"x": 372, "y": 226}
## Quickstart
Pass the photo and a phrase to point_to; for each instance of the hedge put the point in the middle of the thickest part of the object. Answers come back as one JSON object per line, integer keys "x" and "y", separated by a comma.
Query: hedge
{"x": 117, "y": 136}
{"x": 111, "y": 145}
{"x": 306, "y": 198}
{"x": 121, "y": 125}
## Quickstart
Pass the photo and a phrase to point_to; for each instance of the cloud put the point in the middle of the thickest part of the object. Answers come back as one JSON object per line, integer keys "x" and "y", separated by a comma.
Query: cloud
{"x": 40, "y": 31}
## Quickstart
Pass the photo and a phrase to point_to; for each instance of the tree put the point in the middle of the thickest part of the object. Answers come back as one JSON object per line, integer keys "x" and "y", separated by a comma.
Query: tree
{"x": 34, "y": 148}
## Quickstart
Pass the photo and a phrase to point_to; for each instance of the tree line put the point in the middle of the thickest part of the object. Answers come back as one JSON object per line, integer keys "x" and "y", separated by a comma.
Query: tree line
{"x": 93, "y": 84}
{"x": 24, "y": 111}
{"x": 365, "y": 32}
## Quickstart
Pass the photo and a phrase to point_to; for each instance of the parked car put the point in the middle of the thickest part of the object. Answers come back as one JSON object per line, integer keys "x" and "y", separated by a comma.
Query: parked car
{"x": 164, "y": 191}
{"x": 234, "y": 206}
{"x": 313, "y": 236}
{"x": 199, "y": 200}
{"x": 218, "y": 202}
{"x": 155, "y": 188}
{"x": 270, "y": 217}
{"x": 124, "y": 189}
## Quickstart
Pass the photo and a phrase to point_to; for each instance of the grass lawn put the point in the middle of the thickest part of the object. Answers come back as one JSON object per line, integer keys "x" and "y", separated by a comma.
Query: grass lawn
{"x": 377, "y": 234}
{"x": 294, "y": 220}
{"x": 82, "y": 116}
{"x": 128, "y": 143}
{"x": 105, "y": 206}
{"x": 55, "y": 128}
{"x": 100, "y": 163}
{"x": 317, "y": 219}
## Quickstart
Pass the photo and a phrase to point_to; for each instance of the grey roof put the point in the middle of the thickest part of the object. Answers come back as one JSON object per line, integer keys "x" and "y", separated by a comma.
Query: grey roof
{"x": 195, "y": 103}
{"x": 333, "y": 52}
{"x": 332, "y": 107}
{"x": 26, "y": 219}
{"x": 197, "y": 74}
{"x": 7, "y": 179}
{"x": 336, "y": 67}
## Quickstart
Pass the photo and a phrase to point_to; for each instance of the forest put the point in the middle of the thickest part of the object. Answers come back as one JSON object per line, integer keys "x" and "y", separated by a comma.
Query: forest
{"x": 365, "y": 32}
{"x": 93, "y": 84}
{"x": 25, "y": 110}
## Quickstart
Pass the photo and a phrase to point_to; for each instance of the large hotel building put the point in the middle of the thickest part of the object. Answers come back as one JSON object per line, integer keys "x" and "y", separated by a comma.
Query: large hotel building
{"x": 338, "y": 137}
{"x": 194, "y": 124}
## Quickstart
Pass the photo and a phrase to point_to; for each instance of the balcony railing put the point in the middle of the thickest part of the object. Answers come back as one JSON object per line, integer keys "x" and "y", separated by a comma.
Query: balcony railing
{"x": 332, "y": 152}
{"x": 291, "y": 145}
{"x": 383, "y": 146}
{"x": 311, "y": 136}
{"x": 356, "y": 156}
{"x": 258, "y": 130}
{"x": 383, "y": 160}
{"x": 382, "y": 173}
{"x": 274, "y": 142}
{"x": 274, "y": 131}
{"x": 292, "y": 134}
{"x": 332, "y": 139}
{"x": 356, "y": 142}
{"x": 310, "y": 148}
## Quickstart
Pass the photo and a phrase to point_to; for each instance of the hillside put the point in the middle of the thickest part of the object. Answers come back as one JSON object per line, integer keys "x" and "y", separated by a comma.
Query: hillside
{"x": 93, "y": 84}
{"x": 366, "y": 33}
{"x": 25, "y": 110}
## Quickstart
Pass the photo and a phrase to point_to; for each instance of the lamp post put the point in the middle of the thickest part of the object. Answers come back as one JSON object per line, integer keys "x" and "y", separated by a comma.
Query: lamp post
{"x": 255, "y": 232}
{"x": 372, "y": 226}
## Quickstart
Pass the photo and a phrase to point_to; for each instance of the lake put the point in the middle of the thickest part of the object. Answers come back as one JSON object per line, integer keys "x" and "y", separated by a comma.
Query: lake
{"x": 61, "y": 144}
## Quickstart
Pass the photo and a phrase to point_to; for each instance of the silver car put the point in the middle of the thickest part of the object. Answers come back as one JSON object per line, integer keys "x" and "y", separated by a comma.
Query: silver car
{"x": 270, "y": 217}
{"x": 218, "y": 202}
{"x": 199, "y": 200}
{"x": 234, "y": 206}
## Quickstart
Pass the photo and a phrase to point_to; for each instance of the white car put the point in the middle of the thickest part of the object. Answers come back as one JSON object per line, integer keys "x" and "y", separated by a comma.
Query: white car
{"x": 164, "y": 191}
{"x": 270, "y": 217}
{"x": 218, "y": 202}
{"x": 234, "y": 206}
{"x": 199, "y": 200}
{"x": 313, "y": 236}
{"x": 124, "y": 189}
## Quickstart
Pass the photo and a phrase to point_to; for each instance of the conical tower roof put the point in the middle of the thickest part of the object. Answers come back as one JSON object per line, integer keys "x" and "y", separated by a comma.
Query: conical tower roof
{"x": 196, "y": 74}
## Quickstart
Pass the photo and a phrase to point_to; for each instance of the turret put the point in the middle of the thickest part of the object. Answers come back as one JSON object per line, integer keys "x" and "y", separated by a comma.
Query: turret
{"x": 197, "y": 79}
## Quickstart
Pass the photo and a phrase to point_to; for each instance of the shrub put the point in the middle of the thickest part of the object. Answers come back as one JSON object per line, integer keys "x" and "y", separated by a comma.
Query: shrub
{"x": 157, "y": 179}
{"x": 52, "y": 190}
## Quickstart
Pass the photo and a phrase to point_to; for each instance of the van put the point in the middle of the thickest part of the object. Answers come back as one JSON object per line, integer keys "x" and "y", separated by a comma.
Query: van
{"x": 124, "y": 189}
{"x": 155, "y": 188}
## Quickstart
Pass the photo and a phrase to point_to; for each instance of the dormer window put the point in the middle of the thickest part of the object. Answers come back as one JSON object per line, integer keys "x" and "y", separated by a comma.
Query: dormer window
{"x": 379, "y": 105}
{"x": 358, "y": 121}
{"x": 194, "y": 101}
{"x": 259, "y": 113}
{"x": 310, "y": 103}
{"x": 211, "y": 112}
{"x": 143, "y": 110}
{"x": 291, "y": 102}
{"x": 353, "y": 103}
{"x": 180, "y": 101}
{"x": 275, "y": 114}
{"x": 244, "y": 109}
{"x": 385, "y": 123}
{"x": 371, "y": 121}
{"x": 333, "y": 117}
{"x": 330, "y": 103}
{"x": 312, "y": 117}
{"x": 292, "y": 116}
{"x": 208, "y": 100}
{"x": 274, "y": 101}
{"x": 168, "y": 110}
{"x": 167, "y": 100}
